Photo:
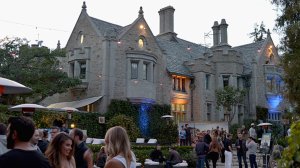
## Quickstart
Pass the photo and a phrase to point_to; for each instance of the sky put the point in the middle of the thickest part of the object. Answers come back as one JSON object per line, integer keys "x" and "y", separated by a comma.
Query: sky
{"x": 53, "y": 20}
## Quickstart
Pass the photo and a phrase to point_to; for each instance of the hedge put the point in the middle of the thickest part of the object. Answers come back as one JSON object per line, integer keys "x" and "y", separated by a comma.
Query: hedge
{"x": 143, "y": 152}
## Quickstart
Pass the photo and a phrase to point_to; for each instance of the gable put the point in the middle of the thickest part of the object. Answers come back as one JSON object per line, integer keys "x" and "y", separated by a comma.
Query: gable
{"x": 139, "y": 29}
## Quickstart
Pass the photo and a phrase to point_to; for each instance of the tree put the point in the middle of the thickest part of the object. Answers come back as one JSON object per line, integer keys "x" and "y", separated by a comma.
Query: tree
{"x": 288, "y": 23}
{"x": 34, "y": 66}
{"x": 228, "y": 97}
{"x": 259, "y": 32}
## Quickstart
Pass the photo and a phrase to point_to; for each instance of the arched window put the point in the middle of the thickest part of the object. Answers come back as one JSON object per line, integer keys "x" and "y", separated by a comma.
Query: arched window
{"x": 80, "y": 37}
{"x": 141, "y": 42}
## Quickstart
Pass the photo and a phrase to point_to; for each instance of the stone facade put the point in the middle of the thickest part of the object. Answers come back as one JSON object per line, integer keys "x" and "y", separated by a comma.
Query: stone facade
{"x": 131, "y": 63}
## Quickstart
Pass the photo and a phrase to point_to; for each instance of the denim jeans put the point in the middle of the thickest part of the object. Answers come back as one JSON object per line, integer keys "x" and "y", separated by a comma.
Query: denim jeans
{"x": 200, "y": 162}
{"x": 252, "y": 159}
{"x": 240, "y": 157}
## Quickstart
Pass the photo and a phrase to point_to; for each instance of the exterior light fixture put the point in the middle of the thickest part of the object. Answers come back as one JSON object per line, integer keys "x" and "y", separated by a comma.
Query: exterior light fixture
{"x": 142, "y": 27}
{"x": 72, "y": 125}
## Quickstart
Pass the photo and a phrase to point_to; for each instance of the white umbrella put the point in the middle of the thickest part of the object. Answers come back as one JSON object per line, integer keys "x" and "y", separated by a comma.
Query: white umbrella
{"x": 69, "y": 109}
{"x": 22, "y": 107}
{"x": 264, "y": 124}
{"x": 12, "y": 87}
{"x": 167, "y": 116}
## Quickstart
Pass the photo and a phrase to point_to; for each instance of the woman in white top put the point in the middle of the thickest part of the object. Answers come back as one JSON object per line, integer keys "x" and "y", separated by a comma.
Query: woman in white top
{"x": 118, "y": 149}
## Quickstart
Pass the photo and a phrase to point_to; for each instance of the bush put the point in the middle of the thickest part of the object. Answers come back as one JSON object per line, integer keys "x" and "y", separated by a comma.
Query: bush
{"x": 291, "y": 154}
{"x": 45, "y": 119}
{"x": 127, "y": 123}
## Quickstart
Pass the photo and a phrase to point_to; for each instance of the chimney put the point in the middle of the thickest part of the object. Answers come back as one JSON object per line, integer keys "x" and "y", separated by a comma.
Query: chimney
{"x": 216, "y": 33}
{"x": 166, "y": 20}
{"x": 223, "y": 28}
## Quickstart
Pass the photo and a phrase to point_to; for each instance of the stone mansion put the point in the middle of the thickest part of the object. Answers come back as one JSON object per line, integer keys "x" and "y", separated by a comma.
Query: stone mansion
{"x": 131, "y": 63}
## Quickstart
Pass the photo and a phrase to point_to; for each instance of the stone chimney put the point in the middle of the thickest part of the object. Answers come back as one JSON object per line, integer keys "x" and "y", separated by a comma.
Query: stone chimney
{"x": 166, "y": 20}
{"x": 216, "y": 33}
{"x": 220, "y": 33}
{"x": 223, "y": 28}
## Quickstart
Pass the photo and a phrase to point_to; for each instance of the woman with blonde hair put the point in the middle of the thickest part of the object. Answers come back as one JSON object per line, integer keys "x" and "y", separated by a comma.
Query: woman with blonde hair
{"x": 118, "y": 149}
{"x": 60, "y": 151}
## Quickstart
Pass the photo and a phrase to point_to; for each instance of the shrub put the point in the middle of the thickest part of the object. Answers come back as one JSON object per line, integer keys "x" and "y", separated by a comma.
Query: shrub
{"x": 127, "y": 123}
{"x": 291, "y": 154}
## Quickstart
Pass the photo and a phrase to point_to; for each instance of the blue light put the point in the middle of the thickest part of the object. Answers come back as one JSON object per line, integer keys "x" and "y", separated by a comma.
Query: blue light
{"x": 144, "y": 118}
{"x": 274, "y": 102}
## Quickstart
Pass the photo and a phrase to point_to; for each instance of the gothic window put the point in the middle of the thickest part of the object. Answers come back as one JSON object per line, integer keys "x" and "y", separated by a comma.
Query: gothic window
{"x": 141, "y": 42}
{"x": 80, "y": 37}
{"x": 134, "y": 70}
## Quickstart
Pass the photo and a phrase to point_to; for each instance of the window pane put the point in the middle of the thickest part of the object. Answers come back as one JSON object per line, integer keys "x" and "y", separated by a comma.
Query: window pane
{"x": 82, "y": 74}
{"x": 225, "y": 81}
{"x": 134, "y": 70}
{"x": 183, "y": 84}
{"x": 173, "y": 107}
{"x": 141, "y": 43}
{"x": 207, "y": 78}
{"x": 145, "y": 69}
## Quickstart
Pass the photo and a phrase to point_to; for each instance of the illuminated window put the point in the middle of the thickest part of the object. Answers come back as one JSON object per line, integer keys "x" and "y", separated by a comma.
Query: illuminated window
{"x": 82, "y": 74}
{"x": 141, "y": 43}
{"x": 80, "y": 37}
{"x": 179, "y": 83}
{"x": 178, "y": 111}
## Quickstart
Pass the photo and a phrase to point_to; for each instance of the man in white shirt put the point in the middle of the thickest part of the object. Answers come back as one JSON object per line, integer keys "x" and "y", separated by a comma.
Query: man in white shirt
{"x": 252, "y": 131}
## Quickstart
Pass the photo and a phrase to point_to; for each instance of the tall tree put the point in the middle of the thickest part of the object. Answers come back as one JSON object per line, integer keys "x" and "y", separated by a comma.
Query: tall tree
{"x": 34, "y": 66}
{"x": 259, "y": 32}
{"x": 227, "y": 98}
{"x": 288, "y": 23}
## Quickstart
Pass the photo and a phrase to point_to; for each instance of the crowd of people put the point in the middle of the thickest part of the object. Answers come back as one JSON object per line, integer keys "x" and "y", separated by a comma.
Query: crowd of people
{"x": 217, "y": 144}
{"x": 22, "y": 145}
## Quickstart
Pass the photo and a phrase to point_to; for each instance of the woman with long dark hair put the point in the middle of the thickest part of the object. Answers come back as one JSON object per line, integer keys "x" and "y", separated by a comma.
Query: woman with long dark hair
{"x": 60, "y": 151}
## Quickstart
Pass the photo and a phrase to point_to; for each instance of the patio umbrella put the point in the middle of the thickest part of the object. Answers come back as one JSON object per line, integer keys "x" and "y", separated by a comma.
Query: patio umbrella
{"x": 69, "y": 109}
{"x": 264, "y": 124}
{"x": 12, "y": 87}
{"x": 21, "y": 107}
{"x": 27, "y": 109}
{"x": 167, "y": 116}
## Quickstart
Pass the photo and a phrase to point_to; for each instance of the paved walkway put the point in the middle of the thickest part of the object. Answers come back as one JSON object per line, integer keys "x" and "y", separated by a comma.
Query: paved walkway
{"x": 235, "y": 163}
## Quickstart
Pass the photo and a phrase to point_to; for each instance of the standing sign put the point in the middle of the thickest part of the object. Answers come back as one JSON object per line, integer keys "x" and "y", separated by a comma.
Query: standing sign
{"x": 266, "y": 139}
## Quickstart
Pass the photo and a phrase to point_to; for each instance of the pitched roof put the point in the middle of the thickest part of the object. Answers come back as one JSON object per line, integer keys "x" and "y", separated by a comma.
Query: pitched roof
{"x": 103, "y": 26}
{"x": 250, "y": 52}
{"x": 177, "y": 52}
